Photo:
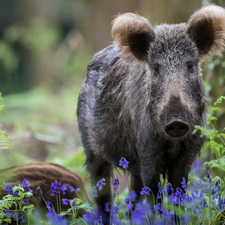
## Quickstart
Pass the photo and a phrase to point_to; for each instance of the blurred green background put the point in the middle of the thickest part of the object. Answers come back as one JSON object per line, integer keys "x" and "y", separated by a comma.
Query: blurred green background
{"x": 45, "y": 46}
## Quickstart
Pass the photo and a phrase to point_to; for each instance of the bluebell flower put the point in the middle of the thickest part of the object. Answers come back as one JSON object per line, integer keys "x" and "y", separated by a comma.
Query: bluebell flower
{"x": 132, "y": 195}
{"x": 116, "y": 184}
{"x": 160, "y": 187}
{"x": 127, "y": 201}
{"x": 139, "y": 214}
{"x": 159, "y": 208}
{"x": 7, "y": 213}
{"x": 100, "y": 184}
{"x": 71, "y": 189}
{"x": 64, "y": 201}
{"x": 25, "y": 183}
{"x": 145, "y": 191}
{"x": 107, "y": 209}
{"x": 48, "y": 205}
{"x": 74, "y": 205}
{"x": 183, "y": 184}
{"x": 95, "y": 192}
{"x": 77, "y": 189}
{"x": 55, "y": 219}
{"x": 116, "y": 208}
{"x": 124, "y": 163}
{"x": 207, "y": 174}
{"x": 8, "y": 188}
{"x": 197, "y": 166}
{"x": 39, "y": 188}
{"x": 64, "y": 189}
{"x": 92, "y": 218}
{"x": 130, "y": 207}
{"x": 168, "y": 187}
{"x": 22, "y": 219}
{"x": 16, "y": 216}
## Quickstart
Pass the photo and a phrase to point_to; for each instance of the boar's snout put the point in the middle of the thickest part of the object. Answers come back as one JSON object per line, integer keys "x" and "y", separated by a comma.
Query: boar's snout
{"x": 176, "y": 128}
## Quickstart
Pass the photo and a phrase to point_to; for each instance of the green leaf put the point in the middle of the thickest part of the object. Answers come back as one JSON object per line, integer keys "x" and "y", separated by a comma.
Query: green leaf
{"x": 212, "y": 118}
{"x": 214, "y": 109}
{"x": 85, "y": 206}
{"x": 219, "y": 100}
{"x": 64, "y": 213}
{"x": 17, "y": 188}
{"x": 30, "y": 207}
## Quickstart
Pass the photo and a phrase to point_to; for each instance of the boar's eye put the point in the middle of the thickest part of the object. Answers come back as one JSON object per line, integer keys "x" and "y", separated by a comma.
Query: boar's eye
{"x": 156, "y": 69}
{"x": 190, "y": 67}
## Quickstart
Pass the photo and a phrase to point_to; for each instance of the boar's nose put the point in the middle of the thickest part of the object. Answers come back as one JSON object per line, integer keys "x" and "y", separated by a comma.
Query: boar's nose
{"x": 177, "y": 128}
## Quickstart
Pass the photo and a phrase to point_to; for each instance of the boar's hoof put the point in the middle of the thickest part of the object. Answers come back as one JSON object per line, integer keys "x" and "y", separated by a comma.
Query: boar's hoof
{"x": 177, "y": 128}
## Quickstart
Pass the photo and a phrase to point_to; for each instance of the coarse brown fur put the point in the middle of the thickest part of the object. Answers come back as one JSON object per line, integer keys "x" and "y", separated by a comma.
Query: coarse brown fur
{"x": 142, "y": 97}
{"x": 43, "y": 174}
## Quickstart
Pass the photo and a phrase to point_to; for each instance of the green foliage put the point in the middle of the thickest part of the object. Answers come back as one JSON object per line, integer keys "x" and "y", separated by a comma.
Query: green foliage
{"x": 15, "y": 202}
{"x": 216, "y": 140}
{"x": 5, "y": 142}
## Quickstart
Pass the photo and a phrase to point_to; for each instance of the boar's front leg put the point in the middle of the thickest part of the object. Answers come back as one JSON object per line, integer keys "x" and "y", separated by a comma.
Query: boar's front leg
{"x": 99, "y": 168}
{"x": 150, "y": 178}
{"x": 176, "y": 172}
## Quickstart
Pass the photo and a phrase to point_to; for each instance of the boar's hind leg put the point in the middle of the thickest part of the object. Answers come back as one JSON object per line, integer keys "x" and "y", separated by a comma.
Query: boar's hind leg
{"x": 98, "y": 168}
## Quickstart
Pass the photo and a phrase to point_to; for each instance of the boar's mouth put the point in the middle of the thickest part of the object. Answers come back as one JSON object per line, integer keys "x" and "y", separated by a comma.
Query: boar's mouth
{"x": 176, "y": 118}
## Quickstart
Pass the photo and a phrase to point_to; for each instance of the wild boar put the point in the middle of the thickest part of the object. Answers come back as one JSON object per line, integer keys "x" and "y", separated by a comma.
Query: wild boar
{"x": 143, "y": 96}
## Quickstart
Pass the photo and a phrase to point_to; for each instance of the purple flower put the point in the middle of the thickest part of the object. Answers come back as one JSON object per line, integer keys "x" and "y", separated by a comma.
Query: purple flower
{"x": 130, "y": 207}
{"x": 22, "y": 219}
{"x": 207, "y": 174}
{"x": 117, "y": 208}
{"x": 139, "y": 214}
{"x": 64, "y": 189}
{"x": 25, "y": 183}
{"x": 132, "y": 195}
{"x": 39, "y": 188}
{"x": 160, "y": 187}
{"x": 197, "y": 166}
{"x": 64, "y": 201}
{"x": 100, "y": 184}
{"x": 74, "y": 205}
{"x": 7, "y": 213}
{"x": 8, "y": 188}
{"x": 145, "y": 191}
{"x": 92, "y": 218}
{"x": 95, "y": 192}
{"x": 16, "y": 216}
{"x": 127, "y": 201}
{"x": 77, "y": 189}
{"x": 107, "y": 209}
{"x": 158, "y": 208}
{"x": 123, "y": 162}
{"x": 48, "y": 205}
{"x": 183, "y": 184}
{"x": 71, "y": 189}
{"x": 116, "y": 184}
{"x": 55, "y": 219}
{"x": 168, "y": 187}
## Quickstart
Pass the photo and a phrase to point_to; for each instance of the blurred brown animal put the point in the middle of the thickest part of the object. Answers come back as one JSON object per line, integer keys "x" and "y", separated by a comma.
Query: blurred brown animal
{"x": 43, "y": 174}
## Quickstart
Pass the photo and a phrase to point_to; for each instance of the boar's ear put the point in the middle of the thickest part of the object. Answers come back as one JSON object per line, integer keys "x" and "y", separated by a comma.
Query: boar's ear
{"x": 206, "y": 27}
{"x": 132, "y": 34}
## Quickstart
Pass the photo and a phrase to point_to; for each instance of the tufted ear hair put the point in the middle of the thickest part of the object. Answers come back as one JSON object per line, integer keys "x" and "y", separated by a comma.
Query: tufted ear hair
{"x": 132, "y": 34}
{"x": 206, "y": 27}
